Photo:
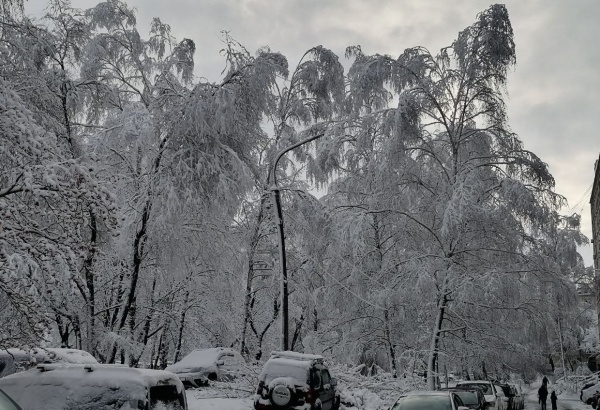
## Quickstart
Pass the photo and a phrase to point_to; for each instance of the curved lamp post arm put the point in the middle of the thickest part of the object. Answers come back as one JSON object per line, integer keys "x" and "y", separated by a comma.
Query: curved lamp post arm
{"x": 274, "y": 188}
{"x": 272, "y": 174}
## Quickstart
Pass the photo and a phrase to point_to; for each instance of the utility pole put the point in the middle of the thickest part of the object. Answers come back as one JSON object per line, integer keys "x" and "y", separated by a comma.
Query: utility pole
{"x": 276, "y": 198}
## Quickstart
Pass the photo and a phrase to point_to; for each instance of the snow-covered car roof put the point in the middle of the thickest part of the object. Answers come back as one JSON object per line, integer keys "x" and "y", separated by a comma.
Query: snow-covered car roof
{"x": 60, "y": 386}
{"x": 63, "y": 355}
{"x": 202, "y": 358}
{"x": 427, "y": 393}
{"x": 17, "y": 354}
{"x": 297, "y": 356}
{"x": 14, "y": 360}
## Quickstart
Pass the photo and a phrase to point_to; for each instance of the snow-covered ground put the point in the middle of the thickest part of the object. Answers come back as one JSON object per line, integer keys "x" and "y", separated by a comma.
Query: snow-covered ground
{"x": 221, "y": 396}
{"x": 568, "y": 398}
{"x": 358, "y": 392}
{"x": 195, "y": 403}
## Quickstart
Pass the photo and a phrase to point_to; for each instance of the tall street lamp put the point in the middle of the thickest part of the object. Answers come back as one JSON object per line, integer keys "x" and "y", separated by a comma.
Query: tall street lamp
{"x": 274, "y": 188}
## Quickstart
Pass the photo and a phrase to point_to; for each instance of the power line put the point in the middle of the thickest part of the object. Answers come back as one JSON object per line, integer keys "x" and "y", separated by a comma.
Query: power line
{"x": 582, "y": 196}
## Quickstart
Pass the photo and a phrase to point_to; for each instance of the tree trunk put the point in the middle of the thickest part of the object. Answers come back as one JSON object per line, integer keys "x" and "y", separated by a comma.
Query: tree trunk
{"x": 562, "y": 349}
{"x": 388, "y": 338}
{"x": 181, "y": 327}
{"x": 297, "y": 332}
{"x": 89, "y": 280}
{"x": 434, "y": 345}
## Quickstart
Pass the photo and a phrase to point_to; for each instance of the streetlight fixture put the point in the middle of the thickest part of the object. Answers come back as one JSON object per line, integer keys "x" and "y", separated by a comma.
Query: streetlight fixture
{"x": 276, "y": 198}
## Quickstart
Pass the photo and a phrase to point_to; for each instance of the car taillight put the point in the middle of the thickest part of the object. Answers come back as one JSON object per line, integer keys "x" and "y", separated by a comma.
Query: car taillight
{"x": 310, "y": 396}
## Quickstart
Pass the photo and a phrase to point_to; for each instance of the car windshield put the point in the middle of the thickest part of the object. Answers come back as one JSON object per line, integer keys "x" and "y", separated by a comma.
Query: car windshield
{"x": 485, "y": 387}
{"x": 468, "y": 397}
{"x": 6, "y": 403}
{"x": 423, "y": 403}
{"x": 166, "y": 397}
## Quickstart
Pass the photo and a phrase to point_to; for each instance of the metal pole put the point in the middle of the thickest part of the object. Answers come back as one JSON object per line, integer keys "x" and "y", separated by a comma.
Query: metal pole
{"x": 282, "y": 264}
{"x": 279, "y": 220}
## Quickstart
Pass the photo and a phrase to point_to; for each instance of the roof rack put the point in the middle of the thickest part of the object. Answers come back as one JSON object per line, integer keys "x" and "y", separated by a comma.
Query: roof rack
{"x": 298, "y": 356}
{"x": 46, "y": 367}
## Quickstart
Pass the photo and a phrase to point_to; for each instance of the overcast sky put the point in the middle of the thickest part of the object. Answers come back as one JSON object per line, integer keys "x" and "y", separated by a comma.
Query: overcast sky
{"x": 553, "y": 102}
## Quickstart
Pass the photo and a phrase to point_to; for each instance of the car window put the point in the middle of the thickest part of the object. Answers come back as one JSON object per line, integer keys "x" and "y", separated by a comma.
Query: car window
{"x": 166, "y": 397}
{"x": 506, "y": 389}
{"x": 457, "y": 401}
{"x": 284, "y": 368}
{"x": 326, "y": 377}
{"x": 468, "y": 397}
{"x": 486, "y": 387}
{"x": 316, "y": 379}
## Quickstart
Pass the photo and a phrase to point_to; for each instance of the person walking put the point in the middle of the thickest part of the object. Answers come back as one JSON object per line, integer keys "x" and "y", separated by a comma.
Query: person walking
{"x": 542, "y": 396}
{"x": 545, "y": 381}
{"x": 553, "y": 399}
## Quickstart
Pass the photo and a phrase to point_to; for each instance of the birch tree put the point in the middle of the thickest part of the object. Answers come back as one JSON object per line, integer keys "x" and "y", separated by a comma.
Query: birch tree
{"x": 470, "y": 200}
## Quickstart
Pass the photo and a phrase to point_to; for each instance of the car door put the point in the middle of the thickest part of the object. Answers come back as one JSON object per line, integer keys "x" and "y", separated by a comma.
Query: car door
{"x": 328, "y": 391}
{"x": 501, "y": 398}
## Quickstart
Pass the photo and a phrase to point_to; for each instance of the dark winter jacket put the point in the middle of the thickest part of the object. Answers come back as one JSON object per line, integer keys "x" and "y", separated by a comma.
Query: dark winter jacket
{"x": 543, "y": 393}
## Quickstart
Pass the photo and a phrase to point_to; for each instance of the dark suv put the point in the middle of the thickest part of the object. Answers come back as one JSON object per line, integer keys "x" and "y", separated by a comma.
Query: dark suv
{"x": 291, "y": 380}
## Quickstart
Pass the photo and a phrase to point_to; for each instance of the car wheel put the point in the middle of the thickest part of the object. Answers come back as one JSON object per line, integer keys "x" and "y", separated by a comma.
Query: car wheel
{"x": 280, "y": 395}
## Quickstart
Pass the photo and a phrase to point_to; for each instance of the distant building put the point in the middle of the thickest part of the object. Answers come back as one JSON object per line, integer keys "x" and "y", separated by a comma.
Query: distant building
{"x": 595, "y": 209}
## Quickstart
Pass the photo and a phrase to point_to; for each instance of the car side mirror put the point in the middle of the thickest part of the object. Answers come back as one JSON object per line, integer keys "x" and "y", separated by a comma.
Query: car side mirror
{"x": 220, "y": 362}
{"x": 333, "y": 381}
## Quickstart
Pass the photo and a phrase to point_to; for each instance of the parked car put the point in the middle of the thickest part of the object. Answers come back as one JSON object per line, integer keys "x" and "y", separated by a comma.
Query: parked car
{"x": 13, "y": 361}
{"x": 94, "y": 387}
{"x": 594, "y": 400}
{"x": 202, "y": 365}
{"x": 587, "y": 392}
{"x": 7, "y": 403}
{"x": 473, "y": 397}
{"x": 62, "y": 355}
{"x": 419, "y": 400}
{"x": 508, "y": 396}
{"x": 493, "y": 395}
{"x": 519, "y": 398}
{"x": 291, "y": 380}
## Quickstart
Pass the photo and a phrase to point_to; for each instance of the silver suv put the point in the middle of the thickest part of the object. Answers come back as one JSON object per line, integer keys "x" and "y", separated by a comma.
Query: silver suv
{"x": 291, "y": 380}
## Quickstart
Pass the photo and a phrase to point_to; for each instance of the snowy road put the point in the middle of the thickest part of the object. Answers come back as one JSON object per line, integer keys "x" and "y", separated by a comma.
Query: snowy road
{"x": 566, "y": 401}
{"x": 196, "y": 402}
